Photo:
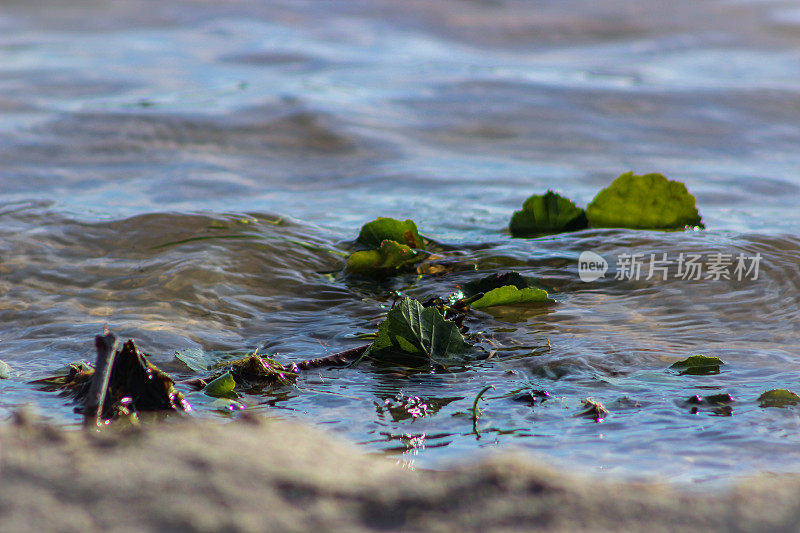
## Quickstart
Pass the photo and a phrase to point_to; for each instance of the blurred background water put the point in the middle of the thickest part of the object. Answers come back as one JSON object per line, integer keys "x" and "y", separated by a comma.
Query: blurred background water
{"x": 186, "y": 171}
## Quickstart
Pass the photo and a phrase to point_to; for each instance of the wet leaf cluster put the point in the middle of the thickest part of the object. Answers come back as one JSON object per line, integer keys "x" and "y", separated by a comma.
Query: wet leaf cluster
{"x": 431, "y": 334}
{"x": 649, "y": 201}
{"x": 388, "y": 246}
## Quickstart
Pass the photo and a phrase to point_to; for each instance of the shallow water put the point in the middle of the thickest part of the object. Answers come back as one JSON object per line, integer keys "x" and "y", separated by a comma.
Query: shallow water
{"x": 189, "y": 173}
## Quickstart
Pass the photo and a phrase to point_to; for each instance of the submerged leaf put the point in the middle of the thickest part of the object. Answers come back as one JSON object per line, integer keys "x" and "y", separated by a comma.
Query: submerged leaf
{"x": 221, "y": 387}
{"x": 650, "y": 201}
{"x": 389, "y": 229}
{"x": 5, "y": 370}
{"x": 698, "y": 365}
{"x": 778, "y": 398}
{"x": 195, "y": 358}
{"x": 510, "y": 295}
{"x": 226, "y": 405}
{"x": 389, "y": 258}
{"x": 547, "y": 213}
{"x": 412, "y": 334}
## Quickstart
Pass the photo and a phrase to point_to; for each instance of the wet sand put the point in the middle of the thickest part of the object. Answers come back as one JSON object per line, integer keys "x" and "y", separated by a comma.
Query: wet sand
{"x": 257, "y": 475}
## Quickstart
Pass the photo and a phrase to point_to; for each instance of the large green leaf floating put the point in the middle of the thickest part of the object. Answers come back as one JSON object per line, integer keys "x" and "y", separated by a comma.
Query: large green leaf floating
{"x": 511, "y": 295}
{"x": 383, "y": 228}
{"x": 650, "y": 201}
{"x": 778, "y": 398}
{"x": 412, "y": 334}
{"x": 388, "y": 259}
{"x": 547, "y": 213}
{"x": 5, "y": 370}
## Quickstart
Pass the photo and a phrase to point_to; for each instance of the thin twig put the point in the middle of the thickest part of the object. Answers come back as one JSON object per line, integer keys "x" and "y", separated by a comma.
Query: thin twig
{"x": 337, "y": 359}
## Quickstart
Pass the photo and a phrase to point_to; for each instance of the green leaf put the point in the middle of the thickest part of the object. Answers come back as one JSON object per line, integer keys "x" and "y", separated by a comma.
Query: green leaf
{"x": 221, "y": 387}
{"x": 196, "y": 359}
{"x": 547, "y": 213}
{"x": 411, "y": 334}
{"x": 650, "y": 201}
{"x": 698, "y": 365}
{"x": 778, "y": 398}
{"x": 5, "y": 370}
{"x": 389, "y": 258}
{"x": 382, "y": 229}
{"x": 511, "y": 295}
{"x": 494, "y": 281}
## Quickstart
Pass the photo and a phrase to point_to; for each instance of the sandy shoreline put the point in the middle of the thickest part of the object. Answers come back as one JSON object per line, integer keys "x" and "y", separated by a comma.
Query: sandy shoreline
{"x": 256, "y": 475}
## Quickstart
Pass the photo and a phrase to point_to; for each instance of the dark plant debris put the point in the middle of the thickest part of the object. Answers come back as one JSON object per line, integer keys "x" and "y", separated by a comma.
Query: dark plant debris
{"x": 593, "y": 409}
{"x": 532, "y": 397}
{"x": 338, "y": 359}
{"x": 718, "y": 404}
{"x": 254, "y": 373}
{"x": 134, "y": 385}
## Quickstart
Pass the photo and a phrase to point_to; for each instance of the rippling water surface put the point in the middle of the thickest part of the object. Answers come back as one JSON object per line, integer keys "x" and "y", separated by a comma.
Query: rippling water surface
{"x": 189, "y": 173}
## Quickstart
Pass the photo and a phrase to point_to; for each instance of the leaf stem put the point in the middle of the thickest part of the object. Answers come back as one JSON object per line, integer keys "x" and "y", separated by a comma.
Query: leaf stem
{"x": 476, "y": 412}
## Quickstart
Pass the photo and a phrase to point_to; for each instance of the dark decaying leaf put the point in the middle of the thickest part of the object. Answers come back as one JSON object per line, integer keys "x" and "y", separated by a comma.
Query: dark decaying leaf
{"x": 713, "y": 399}
{"x": 134, "y": 383}
{"x": 255, "y": 372}
{"x": 717, "y": 404}
{"x": 493, "y": 281}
